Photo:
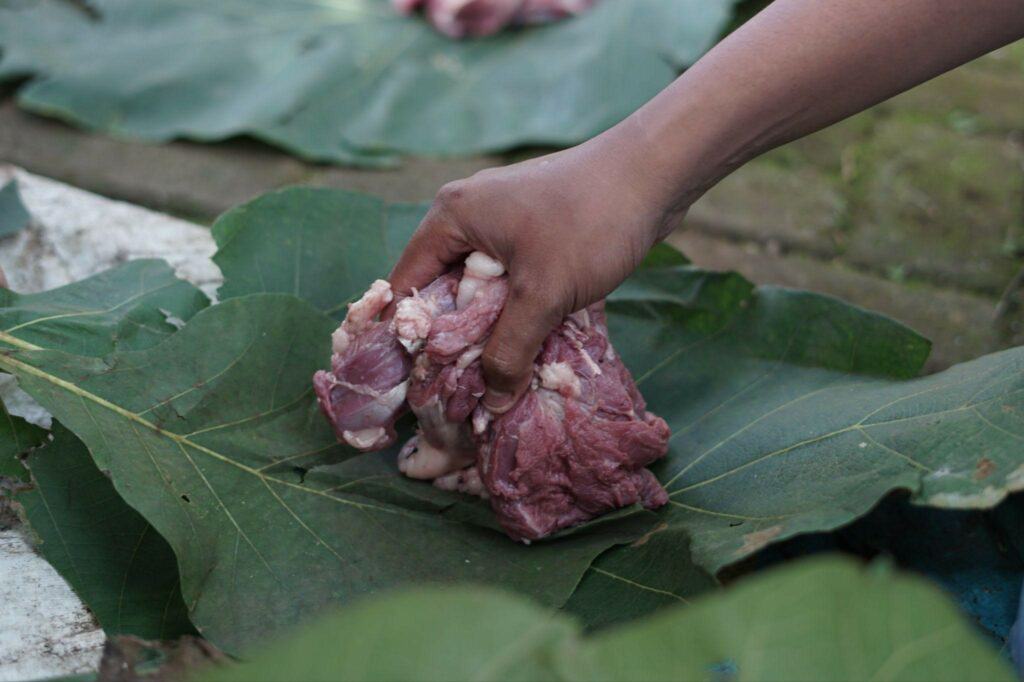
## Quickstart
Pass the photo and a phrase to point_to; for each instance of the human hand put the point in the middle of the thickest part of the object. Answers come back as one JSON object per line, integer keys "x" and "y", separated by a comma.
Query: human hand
{"x": 569, "y": 227}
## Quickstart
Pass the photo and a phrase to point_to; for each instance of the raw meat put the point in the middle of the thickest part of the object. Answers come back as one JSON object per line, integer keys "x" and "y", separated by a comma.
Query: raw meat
{"x": 364, "y": 393}
{"x": 476, "y": 18}
{"x": 574, "y": 447}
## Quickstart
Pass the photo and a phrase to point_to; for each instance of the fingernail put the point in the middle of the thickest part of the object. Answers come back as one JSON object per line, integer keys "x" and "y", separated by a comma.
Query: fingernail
{"x": 499, "y": 402}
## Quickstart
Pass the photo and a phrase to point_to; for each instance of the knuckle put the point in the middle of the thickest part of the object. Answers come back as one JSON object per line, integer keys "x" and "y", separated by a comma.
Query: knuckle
{"x": 451, "y": 194}
{"x": 435, "y": 229}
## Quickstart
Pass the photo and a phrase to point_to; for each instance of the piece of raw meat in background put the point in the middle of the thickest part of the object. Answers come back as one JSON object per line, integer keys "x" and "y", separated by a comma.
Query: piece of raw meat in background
{"x": 477, "y": 18}
{"x": 574, "y": 447}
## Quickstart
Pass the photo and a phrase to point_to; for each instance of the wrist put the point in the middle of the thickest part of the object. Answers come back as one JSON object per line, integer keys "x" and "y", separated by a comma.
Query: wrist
{"x": 672, "y": 160}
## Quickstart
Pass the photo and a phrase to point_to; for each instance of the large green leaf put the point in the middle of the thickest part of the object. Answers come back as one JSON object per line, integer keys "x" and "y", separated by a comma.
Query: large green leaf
{"x": 346, "y": 80}
{"x": 124, "y": 308}
{"x": 654, "y": 572}
{"x": 203, "y": 435}
{"x": 374, "y": 234}
{"x": 792, "y": 412}
{"x": 117, "y": 564}
{"x": 110, "y": 555}
{"x": 779, "y": 427}
{"x": 819, "y": 620}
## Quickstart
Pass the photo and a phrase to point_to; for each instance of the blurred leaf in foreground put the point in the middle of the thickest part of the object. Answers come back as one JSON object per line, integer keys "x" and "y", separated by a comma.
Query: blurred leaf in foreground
{"x": 817, "y": 620}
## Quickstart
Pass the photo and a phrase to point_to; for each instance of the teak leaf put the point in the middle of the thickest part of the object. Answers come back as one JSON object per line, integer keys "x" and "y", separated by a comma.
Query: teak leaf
{"x": 792, "y": 412}
{"x": 125, "y": 308}
{"x": 780, "y": 428}
{"x": 816, "y": 620}
{"x": 351, "y": 80}
{"x": 116, "y": 562}
{"x": 375, "y": 233}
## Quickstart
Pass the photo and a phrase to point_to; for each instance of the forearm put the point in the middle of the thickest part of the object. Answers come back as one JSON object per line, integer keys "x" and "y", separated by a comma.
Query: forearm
{"x": 797, "y": 67}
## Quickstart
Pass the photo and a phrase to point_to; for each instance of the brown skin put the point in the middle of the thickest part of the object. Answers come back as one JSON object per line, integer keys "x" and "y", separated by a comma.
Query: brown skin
{"x": 571, "y": 226}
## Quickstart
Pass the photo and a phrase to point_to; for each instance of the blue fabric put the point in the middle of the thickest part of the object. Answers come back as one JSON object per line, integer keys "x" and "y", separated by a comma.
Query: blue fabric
{"x": 976, "y": 556}
{"x": 1017, "y": 639}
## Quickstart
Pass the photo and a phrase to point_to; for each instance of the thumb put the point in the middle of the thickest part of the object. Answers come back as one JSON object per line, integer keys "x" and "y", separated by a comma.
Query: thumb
{"x": 434, "y": 247}
{"x": 528, "y": 317}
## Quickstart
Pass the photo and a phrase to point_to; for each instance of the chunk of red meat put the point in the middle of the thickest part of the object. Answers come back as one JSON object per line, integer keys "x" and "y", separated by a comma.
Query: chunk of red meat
{"x": 364, "y": 393}
{"x": 574, "y": 447}
{"x": 476, "y": 18}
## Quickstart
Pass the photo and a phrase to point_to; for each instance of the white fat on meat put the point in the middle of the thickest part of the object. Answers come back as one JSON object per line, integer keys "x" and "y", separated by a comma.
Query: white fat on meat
{"x": 560, "y": 377}
{"x": 361, "y": 314}
{"x": 366, "y": 309}
{"x": 466, "y": 481}
{"x": 450, "y": 450}
{"x": 480, "y": 269}
{"x": 419, "y": 459}
{"x": 481, "y": 420}
{"x": 366, "y": 439}
{"x": 413, "y": 317}
{"x": 340, "y": 340}
{"x": 393, "y": 399}
{"x": 469, "y": 356}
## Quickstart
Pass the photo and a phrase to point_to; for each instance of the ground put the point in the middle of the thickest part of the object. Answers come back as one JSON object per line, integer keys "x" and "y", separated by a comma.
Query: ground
{"x": 914, "y": 208}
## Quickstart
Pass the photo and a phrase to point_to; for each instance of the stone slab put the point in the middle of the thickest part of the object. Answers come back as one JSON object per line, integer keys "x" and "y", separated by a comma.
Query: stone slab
{"x": 75, "y": 234}
{"x": 45, "y": 630}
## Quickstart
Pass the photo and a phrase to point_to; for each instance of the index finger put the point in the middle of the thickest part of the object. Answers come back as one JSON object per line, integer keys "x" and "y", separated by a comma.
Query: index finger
{"x": 433, "y": 248}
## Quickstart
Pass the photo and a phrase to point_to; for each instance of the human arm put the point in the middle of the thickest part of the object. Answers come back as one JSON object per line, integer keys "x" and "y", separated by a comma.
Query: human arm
{"x": 570, "y": 226}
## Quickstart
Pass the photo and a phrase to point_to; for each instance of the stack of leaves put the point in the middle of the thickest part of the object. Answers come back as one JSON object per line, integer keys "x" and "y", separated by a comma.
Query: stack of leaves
{"x": 191, "y": 478}
{"x": 348, "y": 81}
